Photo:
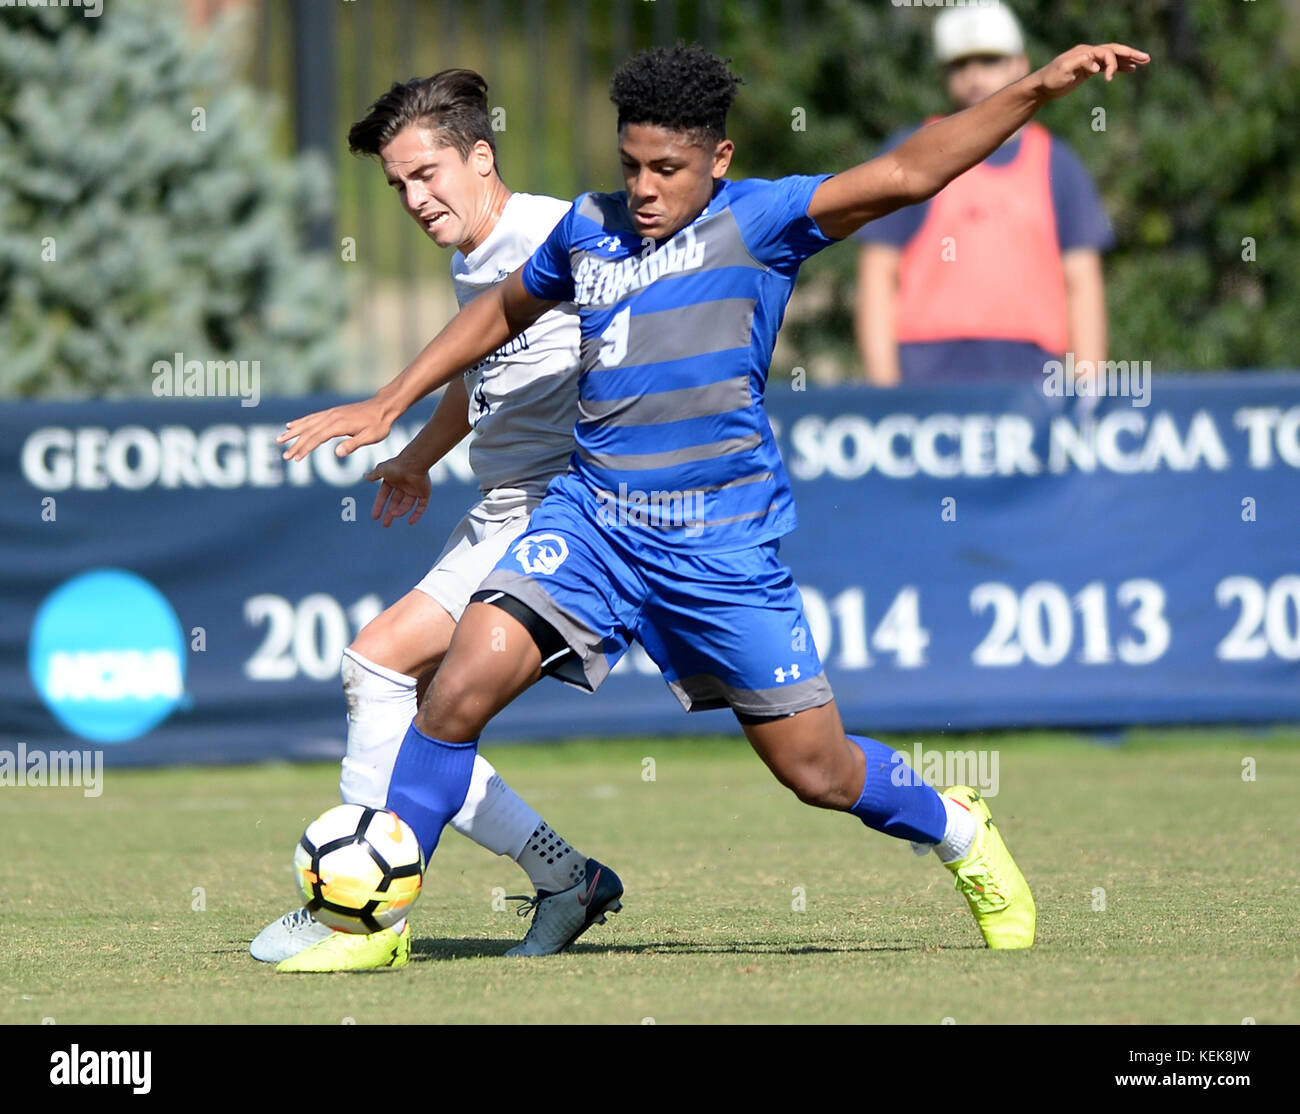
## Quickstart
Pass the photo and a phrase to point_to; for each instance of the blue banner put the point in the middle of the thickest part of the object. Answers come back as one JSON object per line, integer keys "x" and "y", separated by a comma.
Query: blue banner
{"x": 969, "y": 557}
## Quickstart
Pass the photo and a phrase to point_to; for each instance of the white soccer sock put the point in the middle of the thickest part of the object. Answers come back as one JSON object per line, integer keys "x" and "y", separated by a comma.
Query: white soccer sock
{"x": 381, "y": 705}
{"x": 551, "y": 863}
{"x": 494, "y": 815}
{"x": 958, "y": 834}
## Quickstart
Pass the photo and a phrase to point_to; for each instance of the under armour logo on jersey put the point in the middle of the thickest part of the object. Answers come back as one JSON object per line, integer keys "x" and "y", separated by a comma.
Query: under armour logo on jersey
{"x": 610, "y": 243}
{"x": 541, "y": 553}
{"x": 781, "y": 674}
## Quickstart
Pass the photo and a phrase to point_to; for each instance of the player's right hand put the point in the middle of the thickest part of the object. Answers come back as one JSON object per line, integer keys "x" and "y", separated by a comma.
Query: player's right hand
{"x": 401, "y": 488}
{"x": 1070, "y": 70}
{"x": 363, "y": 423}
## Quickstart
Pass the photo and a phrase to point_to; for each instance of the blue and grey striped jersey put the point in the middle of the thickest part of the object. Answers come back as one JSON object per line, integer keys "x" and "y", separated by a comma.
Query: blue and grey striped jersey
{"x": 672, "y": 440}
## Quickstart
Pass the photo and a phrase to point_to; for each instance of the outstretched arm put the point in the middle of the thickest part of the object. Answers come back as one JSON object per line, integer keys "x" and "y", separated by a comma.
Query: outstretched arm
{"x": 483, "y": 326}
{"x": 404, "y": 481}
{"x": 931, "y": 158}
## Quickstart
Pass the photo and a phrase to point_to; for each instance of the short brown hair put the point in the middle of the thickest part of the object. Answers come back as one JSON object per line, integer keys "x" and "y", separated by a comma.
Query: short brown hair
{"x": 452, "y": 103}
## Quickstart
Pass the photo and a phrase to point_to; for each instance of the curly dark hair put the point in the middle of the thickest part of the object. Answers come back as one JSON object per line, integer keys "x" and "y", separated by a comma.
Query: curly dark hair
{"x": 453, "y": 103}
{"x": 684, "y": 88}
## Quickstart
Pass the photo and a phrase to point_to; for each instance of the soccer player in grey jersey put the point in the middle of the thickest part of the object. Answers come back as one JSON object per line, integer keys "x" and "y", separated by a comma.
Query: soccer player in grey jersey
{"x": 434, "y": 139}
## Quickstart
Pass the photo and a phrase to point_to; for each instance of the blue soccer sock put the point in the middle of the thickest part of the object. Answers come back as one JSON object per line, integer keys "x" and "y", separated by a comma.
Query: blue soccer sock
{"x": 429, "y": 784}
{"x": 894, "y": 799}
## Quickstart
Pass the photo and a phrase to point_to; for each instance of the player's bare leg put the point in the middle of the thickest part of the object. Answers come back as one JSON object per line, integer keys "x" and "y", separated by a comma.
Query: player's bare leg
{"x": 413, "y": 637}
{"x": 492, "y": 659}
{"x": 811, "y": 755}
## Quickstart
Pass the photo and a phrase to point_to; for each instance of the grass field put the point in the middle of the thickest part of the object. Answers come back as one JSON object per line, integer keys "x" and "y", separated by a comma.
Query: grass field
{"x": 100, "y": 898}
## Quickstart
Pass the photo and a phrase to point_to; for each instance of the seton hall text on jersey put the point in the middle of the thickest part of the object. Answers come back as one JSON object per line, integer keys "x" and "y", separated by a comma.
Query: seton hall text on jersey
{"x": 597, "y": 282}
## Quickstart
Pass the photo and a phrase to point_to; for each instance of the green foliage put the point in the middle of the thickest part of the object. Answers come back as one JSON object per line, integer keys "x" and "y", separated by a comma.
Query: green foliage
{"x": 127, "y": 232}
{"x": 1198, "y": 153}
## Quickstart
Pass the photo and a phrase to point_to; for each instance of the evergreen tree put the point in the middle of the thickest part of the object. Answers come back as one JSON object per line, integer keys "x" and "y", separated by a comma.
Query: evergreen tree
{"x": 142, "y": 212}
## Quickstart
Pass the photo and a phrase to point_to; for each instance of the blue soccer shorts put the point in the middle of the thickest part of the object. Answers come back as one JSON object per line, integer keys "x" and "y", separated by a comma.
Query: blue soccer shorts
{"x": 725, "y": 629}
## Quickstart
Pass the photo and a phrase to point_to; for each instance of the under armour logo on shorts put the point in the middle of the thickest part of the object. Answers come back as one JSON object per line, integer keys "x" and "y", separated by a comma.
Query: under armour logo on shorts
{"x": 541, "y": 553}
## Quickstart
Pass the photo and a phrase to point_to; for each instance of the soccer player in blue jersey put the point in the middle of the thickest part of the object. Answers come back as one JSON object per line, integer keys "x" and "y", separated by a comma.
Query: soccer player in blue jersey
{"x": 666, "y": 526}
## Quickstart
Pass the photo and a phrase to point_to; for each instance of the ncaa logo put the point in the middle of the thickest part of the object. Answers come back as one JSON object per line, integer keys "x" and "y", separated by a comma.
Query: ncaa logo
{"x": 107, "y": 654}
{"x": 541, "y": 553}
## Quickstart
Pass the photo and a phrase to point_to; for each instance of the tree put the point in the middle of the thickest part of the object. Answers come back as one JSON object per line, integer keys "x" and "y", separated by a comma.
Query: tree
{"x": 142, "y": 213}
{"x": 1195, "y": 158}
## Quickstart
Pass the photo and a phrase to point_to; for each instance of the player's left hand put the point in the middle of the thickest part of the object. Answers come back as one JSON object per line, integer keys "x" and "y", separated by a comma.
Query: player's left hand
{"x": 362, "y": 423}
{"x": 402, "y": 488}
{"x": 1070, "y": 70}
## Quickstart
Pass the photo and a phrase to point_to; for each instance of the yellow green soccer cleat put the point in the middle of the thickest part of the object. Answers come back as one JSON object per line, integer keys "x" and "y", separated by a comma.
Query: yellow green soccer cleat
{"x": 995, "y": 889}
{"x": 345, "y": 951}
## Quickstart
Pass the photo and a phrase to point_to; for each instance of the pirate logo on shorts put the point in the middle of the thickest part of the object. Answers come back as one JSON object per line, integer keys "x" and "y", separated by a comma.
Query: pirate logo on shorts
{"x": 541, "y": 553}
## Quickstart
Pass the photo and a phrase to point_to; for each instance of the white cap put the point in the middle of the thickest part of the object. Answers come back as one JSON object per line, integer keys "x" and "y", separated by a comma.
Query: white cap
{"x": 982, "y": 28}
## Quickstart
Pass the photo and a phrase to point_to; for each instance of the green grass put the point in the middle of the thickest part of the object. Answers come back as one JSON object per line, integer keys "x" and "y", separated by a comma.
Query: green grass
{"x": 1198, "y": 868}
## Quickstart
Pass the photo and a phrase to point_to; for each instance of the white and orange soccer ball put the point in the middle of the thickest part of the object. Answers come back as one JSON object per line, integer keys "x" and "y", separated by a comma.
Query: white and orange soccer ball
{"x": 359, "y": 869}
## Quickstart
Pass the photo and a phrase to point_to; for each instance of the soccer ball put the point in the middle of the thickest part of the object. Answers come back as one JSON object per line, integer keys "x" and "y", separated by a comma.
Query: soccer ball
{"x": 359, "y": 868}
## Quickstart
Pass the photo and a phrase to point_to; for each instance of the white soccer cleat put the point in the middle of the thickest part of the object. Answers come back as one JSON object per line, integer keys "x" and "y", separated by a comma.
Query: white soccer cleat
{"x": 292, "y": 933}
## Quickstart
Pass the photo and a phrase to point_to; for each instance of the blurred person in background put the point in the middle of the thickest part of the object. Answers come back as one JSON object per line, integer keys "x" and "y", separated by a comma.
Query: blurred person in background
{"x": 1000, "y": 272}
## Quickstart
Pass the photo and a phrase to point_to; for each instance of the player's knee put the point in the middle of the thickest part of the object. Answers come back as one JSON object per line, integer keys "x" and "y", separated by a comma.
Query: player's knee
{"x": 817, "y": 783}
{"x": 814, "y": 789}
{"x": 382, "y": 641}
{"x": 375, "y": 649}
{"x": 455, "y": 707}
{"x": 371, "y": 643}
